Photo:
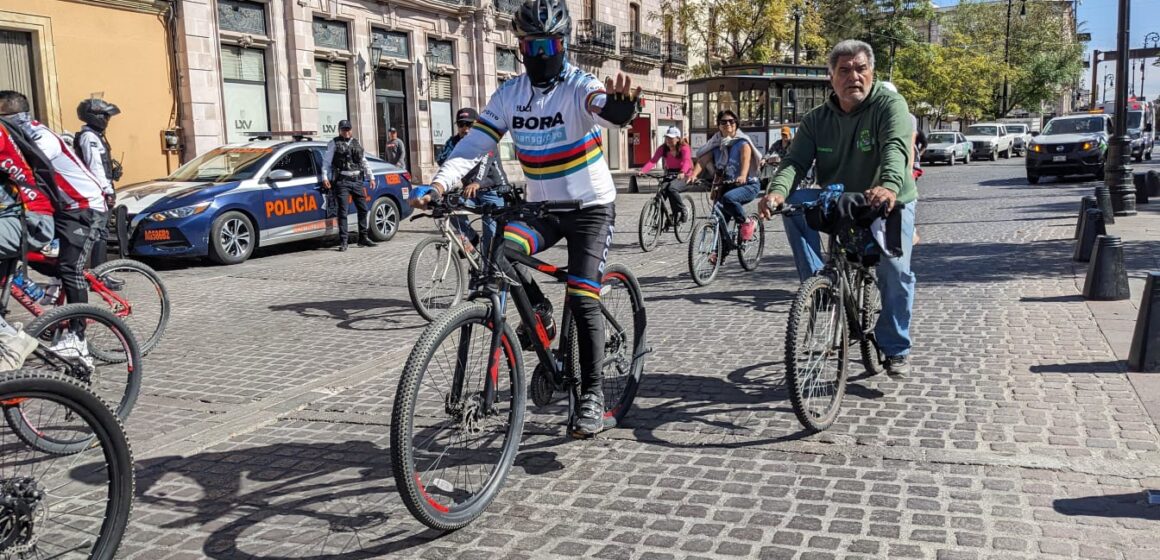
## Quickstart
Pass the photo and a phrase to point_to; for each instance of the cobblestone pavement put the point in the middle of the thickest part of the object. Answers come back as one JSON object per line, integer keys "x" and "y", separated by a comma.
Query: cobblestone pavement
{"x": 262, "y": 431}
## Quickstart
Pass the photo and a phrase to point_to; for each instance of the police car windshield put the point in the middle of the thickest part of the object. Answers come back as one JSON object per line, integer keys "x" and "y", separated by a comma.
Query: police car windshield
{"x": 940, "y": 138}
{"x": 223, "y": 165}
{"x": 1075, "y": 126}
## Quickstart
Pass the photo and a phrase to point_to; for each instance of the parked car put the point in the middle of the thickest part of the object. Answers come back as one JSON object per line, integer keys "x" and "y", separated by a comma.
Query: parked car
{"x": 946, "y": 146}
{"x": 1070, "y": 145}
{"x": 1021, "y": 137}
{"x": 989, "y": 140}
{"x": 238, "y": 197}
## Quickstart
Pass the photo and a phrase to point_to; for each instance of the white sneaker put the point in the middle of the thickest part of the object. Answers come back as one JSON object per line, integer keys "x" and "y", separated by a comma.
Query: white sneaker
{"x": 14, "y": 349}
{"x": 71, "y": 346}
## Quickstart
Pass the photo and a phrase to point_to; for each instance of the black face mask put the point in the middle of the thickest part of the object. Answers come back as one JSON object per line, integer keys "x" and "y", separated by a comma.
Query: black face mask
{"x": 542, "y": 71}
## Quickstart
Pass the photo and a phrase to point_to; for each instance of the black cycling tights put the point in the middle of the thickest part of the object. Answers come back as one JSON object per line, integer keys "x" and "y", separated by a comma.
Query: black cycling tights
{"x": 589, "y": 235}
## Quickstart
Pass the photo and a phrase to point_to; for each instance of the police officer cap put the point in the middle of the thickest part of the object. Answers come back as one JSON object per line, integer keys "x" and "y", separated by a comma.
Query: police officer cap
{"x": 466, "y": 114}
{"x": 344, "y": 125}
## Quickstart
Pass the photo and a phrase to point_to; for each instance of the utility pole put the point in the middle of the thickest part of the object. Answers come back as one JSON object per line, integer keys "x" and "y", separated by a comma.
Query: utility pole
{"x": 1118, "y": 173}
{"x": 1006, "y": 60}
{"x": 797, "y": 29}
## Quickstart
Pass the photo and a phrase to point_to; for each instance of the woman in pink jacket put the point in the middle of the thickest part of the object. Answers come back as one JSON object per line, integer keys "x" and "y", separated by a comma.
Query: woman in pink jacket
{"x": 678, "y": 159}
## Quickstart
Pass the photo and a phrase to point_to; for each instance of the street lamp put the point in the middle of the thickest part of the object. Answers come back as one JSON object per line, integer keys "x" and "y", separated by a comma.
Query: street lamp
{"x": 1107, "y": 77}
{"x": 1118, "y": 168}
{"x": 1153, "y": 39}
{"x": 1007, "y": 47}
{"x": 375, "y": 51}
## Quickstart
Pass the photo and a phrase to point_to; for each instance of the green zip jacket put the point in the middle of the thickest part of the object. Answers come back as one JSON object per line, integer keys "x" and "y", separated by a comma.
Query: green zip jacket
{"x": 862, "y": 149}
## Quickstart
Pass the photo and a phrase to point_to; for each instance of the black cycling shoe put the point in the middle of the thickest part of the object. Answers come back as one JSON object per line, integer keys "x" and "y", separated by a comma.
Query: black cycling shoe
{"x": 115, "y": 284}
{"x": 589, "y": 415}
{"x": 897, "y": 366}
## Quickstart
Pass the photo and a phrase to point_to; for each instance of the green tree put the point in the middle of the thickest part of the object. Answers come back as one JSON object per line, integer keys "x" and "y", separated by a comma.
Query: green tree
{"x": 946, "y": 81}
{"x": 887, "y": 25}
{"x": 1040, "y": 59}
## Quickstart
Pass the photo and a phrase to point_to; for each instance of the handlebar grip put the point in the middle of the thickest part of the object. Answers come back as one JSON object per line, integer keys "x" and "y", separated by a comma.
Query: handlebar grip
{"x": 562, "y": 205}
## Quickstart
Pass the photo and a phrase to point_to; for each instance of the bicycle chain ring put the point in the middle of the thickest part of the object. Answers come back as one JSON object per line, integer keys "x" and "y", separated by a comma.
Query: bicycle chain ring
{"x": 541, "y": 386}
{"x": 19, "y": 509}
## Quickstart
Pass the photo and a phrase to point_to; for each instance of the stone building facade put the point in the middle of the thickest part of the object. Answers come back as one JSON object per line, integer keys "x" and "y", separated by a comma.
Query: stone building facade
{"x": 251, "y": 65}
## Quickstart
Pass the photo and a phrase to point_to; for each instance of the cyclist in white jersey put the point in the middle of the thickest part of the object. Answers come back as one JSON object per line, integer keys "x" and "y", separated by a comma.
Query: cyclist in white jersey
{"x": 554, "y": 113}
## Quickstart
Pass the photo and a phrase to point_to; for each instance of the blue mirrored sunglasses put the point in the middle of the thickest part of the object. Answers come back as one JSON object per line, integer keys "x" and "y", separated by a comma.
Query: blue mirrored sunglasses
{"x": 541, "y": 46}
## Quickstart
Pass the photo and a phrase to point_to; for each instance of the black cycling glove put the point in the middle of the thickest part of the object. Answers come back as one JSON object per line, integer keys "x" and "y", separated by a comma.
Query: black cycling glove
{"x": 619, "y": 109}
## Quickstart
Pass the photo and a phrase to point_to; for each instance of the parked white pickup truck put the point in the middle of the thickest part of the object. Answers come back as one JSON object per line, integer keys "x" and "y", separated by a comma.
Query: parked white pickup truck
{"x": 990, "y": 140}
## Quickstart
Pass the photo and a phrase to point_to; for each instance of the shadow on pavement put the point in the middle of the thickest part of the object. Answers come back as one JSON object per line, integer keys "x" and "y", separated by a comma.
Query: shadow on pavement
{"x": 1115, "y": 505}
{"x": 758, "y": 299}
{"x": 984, "y": 262}
{"x": 1088, "y": 367}
{"x": 361, "y": 314}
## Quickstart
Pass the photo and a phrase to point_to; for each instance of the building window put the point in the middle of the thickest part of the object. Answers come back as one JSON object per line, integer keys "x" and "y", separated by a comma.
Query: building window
{"x": 589, "y": 9}
{"x": 394, "y": 43}
{"x": 442, "y": 126}
{"x": 634, "y": 17}
{"x": 698, "y": 115}
{"x": 330, "y": 34}
{"x": 391, "y": 108}
{"x": 505, "y": 61}
{"x": 244, "y": 92}
{"x": 332, "y": 106}
{"x": 240, "y": 16}
{"x": 443, "y": 51}
{"x": 19, "y": 72}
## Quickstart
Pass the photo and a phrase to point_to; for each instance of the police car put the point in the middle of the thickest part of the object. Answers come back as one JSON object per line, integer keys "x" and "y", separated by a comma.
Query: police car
{"x": 238, "y": 197}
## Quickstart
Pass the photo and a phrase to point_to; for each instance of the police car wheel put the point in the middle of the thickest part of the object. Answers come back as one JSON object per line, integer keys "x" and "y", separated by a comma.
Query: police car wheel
{"x": 232, "y": 238}
{"x": 384, "y": 219}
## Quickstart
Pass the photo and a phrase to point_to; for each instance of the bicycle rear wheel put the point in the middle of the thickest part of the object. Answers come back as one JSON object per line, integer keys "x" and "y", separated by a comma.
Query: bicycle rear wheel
{"x": 705, "y": 250}
{"x": 625, "y": 326}
{"x": 50, "y": 506}
{"x": 450, "y": 450}
{"x": 869, "y": 308}
{"x": 141, "y": 301}
{"x": 649, "y": 229}
{"x": 435, "y": 277}
{"x": 749, "y": 252}
{"x": 684, "y": 230}
{"x": 816, "y": 354}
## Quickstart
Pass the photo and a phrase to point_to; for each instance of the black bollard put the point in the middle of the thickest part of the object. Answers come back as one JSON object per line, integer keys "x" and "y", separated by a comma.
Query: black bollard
{"x": 633, "y": 187}
{"x": 1107, "y": 279}
{"x": 1139, "y": 179}
{"x": 1152, "y": 182}
{"x": 1104, "y": 203}
{"x": 1084, "y": 203}
{"x": 1144, "y": 355}
{"x": 1093, "y": 226}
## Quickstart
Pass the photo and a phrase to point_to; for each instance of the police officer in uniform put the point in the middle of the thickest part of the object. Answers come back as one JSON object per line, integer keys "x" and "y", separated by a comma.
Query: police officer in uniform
{"x": 343, "y": 168}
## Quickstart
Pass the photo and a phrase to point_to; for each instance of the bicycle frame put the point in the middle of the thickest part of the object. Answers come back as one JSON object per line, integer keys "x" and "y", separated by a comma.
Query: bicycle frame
{"x": 121, "y": 307}
{"x": 848, "y": 276}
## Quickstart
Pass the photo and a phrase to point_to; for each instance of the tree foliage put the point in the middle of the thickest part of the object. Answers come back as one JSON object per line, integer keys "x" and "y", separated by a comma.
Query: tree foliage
{"x": 941, "y": 81}
{"x": 887, "y": 25}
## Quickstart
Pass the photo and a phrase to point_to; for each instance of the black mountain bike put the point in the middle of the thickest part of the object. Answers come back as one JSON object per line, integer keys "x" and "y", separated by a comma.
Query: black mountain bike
{"x": 62, "y": 505}
{"x": 658, "y": 217}
{"x": 839, "y": 303}
{"x": 459, "y": 409}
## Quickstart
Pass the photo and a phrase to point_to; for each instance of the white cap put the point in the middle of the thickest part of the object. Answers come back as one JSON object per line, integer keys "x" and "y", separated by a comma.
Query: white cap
{"x": 673, "y": 132}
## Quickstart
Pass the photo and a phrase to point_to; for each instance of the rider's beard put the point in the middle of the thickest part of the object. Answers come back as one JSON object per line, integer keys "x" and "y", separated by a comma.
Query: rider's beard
{"x": 543, "y": 69}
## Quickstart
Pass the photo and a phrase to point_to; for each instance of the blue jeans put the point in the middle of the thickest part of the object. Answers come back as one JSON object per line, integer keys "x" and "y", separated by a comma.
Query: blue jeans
{"x": 463, "y": 224}
{"x": 732, "y": 205}
{"x": 895, "y": 279}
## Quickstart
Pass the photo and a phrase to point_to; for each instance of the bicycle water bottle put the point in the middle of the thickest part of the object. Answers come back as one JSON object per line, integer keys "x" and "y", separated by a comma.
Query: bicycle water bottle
{"x": 31, "y": 288}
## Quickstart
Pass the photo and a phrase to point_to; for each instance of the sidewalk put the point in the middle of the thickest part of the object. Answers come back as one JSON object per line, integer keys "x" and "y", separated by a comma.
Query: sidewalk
{"x": 1117, "y": 319}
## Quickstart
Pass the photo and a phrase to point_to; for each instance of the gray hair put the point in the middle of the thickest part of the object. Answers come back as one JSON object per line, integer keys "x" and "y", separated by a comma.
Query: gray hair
{"x": 850, "y": 47}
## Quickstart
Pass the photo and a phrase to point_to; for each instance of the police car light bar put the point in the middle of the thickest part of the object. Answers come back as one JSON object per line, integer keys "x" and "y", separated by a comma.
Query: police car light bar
{"x": 297, "y": 135}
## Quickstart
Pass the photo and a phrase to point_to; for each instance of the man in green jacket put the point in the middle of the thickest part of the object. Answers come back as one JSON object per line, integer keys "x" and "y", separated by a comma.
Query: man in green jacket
{"x": 861, "y": 139}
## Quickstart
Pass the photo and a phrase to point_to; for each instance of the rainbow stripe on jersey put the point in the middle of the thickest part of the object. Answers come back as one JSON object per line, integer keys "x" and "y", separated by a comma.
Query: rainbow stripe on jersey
{"x": 560, "y": 161}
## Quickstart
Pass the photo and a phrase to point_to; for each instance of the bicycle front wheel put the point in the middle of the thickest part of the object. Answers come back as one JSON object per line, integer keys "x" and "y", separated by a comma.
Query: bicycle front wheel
{"x": 56, "y": 507}
{"x": 816, "y": 354}
{"x": 749, "y": 252}
{"x": 434, "y": 277}
{"x": 705, "y": 252}
{"x": 684, "y": 230}
{"x": 451, "y": 446}
{"x": 625, "y": 326}
{"x": 649, "y": 230}
{"x": 136, "y": 295}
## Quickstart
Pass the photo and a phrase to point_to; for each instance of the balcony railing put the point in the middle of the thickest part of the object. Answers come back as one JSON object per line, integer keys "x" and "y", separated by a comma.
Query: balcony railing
{"x": 507, "y": 6}
{"x": 639, "y": 45}
{"x": 678, "y": 54}
{"x": 596, "y": 36}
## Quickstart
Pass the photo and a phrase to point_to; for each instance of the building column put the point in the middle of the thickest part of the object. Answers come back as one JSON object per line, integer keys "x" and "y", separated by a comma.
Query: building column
{"x": 200, "y": 90}
{"x": 299, "y": 79}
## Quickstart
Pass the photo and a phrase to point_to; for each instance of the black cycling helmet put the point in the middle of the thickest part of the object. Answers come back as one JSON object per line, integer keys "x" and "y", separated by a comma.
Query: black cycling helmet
{"x": 543, "y": 17}
{"x": 96, "y": 112}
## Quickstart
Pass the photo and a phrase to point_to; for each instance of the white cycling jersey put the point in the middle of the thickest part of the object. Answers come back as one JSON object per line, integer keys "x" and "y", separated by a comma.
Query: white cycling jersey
{"x": 78, "y": 188}
{"x": 557, "y": 140}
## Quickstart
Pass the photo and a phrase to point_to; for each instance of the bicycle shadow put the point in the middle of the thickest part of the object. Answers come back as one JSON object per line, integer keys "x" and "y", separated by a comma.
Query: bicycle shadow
{"x": 360, "y": 314}
{"x": 760, "y": 299}
{"x": 325, "y": 501}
